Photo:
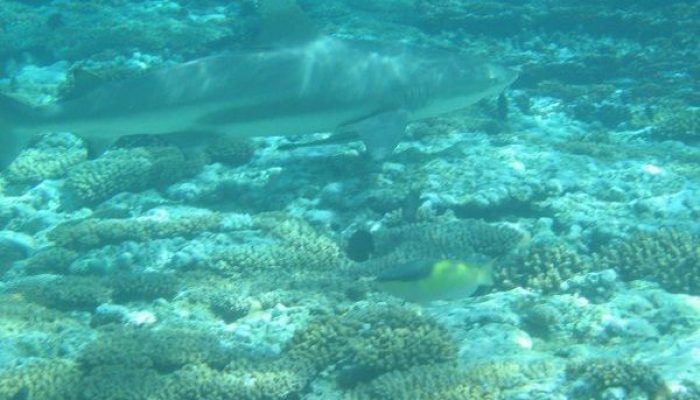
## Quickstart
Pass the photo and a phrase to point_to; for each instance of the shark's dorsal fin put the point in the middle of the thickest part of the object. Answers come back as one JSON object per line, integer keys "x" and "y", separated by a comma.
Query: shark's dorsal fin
{"x": 284, "y": 23}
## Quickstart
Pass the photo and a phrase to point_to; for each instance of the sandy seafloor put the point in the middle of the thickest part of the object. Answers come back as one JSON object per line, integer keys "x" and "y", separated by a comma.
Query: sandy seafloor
{"x": 149, "y": 273}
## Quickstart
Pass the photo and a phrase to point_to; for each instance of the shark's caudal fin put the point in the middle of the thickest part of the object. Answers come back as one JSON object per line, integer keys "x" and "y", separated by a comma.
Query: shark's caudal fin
{"x": 12, "y": 141}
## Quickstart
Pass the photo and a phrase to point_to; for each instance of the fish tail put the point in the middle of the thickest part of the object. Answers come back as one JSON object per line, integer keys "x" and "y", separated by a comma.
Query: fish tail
{"x": 486, "y": 275}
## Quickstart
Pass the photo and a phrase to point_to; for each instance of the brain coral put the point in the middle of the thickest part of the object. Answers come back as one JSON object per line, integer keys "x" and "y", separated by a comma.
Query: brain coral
{"x": 669, "y": 257}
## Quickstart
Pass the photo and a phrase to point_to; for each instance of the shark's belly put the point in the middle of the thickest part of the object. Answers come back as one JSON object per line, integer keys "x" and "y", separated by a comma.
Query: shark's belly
{"x": 231, "y": 118}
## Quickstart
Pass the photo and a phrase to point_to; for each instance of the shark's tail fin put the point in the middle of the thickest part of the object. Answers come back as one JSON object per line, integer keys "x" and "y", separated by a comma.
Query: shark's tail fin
{"x": 12, "y": 141}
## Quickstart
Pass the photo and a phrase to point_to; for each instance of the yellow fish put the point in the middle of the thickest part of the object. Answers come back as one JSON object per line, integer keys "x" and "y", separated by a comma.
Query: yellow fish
{"x": 424, "y": 281}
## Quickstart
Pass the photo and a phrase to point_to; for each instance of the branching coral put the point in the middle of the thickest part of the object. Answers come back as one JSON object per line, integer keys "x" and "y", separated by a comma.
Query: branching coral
{"x": 541, "y": 267}
{"x": 456, "y": 238}
{"x": 124, "y": 170}
{"x": 595, "y": 376}
{"x": 231, "y": 151}
{"x": 50, "y": 157}
{"x": 55, "y": 379}
{"x": 94, "y": 233}
{"x": 677, "y": 123}
{"x": 371, "y": 342}
{"x": 669, "y": 257}
{"x": 65, "y": 293}
{"x": 290, "y": 244}
{"x": 164, "y": 350}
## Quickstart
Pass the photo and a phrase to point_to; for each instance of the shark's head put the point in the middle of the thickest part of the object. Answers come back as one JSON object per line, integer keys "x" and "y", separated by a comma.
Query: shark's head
{"x": 455, "y": 81}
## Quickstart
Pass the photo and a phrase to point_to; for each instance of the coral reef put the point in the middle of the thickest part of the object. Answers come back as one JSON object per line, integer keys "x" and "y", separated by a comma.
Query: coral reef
{"x": 124, "y": 170}
{"x": 398, "y": 339}
{"x": 592, "y": 378}
{"x": 65, "y": 292}
{"x": 50, "y": 260}
{"x": 542, "y": 267}
{"x": 50, "y": 157}
{"x": 231, "y": 151}
{"x": 115, "y": 382}
{"x": 142, "y": 286}
{"x": 669, "y": 257}
{"x": 94, "y": 233}
{"x": 229, "y": 306}
{"x": 454, "y": 239}
{"x": 295, "y": 245}
{"x": 425, "y": 382}
{"x": 277, "y": 381}
{"x": 165, "y": 350}
{"x": 49, "y": 379}
{"x": 370, "y": 342}
{"x": 677, "y": 123}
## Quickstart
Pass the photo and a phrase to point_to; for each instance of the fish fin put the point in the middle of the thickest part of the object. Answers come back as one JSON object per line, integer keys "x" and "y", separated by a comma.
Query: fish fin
{"x": 83, "y": 82}
{"x": 284, "y": 23}
{"x": 97, "y": 146}
{"x": 486, "y": 274}
{"x": 12, "y": 142}
{"x": 340, "y": 137}
{"x": 381, "y": 132}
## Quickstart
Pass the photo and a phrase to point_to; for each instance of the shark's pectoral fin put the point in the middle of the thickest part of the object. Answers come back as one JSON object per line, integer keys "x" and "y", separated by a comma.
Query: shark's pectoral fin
{"x": 336, "y": 138}
{"x": 381, "y": 132}
{"x": 11, "y": 144}
{"x": 98, "y": 145}
{"x": 12, "y": 141}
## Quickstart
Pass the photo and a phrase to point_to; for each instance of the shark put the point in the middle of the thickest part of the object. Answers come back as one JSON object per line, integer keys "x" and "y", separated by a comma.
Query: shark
{"x": 367, "y": 89}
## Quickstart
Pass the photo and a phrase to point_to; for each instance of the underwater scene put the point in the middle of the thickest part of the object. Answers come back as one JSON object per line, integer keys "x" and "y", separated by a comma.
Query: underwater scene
{"x": 349, "y": 199}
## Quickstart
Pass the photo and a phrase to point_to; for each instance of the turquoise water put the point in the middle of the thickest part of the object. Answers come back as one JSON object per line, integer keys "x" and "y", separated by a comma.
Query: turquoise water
{"x": 349, "y": 199}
